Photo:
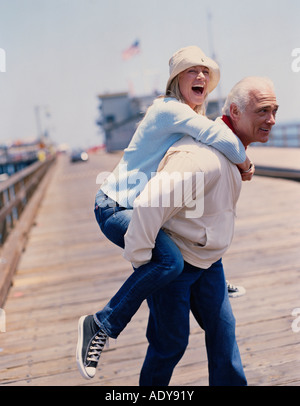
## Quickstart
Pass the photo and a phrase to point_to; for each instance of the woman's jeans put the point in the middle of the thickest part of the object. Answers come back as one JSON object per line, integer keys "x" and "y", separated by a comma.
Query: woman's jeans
{"x": 166, "y": 264}
{"x": 204, "y": 292}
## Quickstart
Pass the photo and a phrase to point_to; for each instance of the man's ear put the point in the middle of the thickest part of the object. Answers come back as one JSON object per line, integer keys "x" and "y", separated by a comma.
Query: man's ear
{"x": 234, "y": 112}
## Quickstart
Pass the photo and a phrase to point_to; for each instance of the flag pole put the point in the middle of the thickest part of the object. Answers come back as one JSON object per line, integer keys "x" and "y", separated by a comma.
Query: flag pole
{"x": 129, "y": 53}
{"x": 213, "y": 56}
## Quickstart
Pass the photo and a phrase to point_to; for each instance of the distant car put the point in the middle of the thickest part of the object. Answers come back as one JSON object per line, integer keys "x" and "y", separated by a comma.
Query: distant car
{"x": 79, "y": 155}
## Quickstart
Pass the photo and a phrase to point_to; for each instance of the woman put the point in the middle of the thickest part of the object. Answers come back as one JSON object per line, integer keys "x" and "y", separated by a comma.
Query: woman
{"x": 181, "y": 111}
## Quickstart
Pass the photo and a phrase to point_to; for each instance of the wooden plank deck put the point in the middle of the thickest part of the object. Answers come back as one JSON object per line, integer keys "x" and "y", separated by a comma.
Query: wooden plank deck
{"x": 69, "y": 269}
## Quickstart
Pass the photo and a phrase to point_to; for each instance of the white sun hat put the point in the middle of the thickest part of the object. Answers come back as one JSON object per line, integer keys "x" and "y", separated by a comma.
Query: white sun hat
{"x": 193, "y": 56}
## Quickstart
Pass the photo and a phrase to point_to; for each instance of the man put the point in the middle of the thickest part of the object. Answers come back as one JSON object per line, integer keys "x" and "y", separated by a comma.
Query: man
{"x": 203, "y": 235}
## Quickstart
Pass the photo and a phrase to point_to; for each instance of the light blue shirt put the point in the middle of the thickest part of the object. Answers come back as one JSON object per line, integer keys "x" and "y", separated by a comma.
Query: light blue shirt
{"x": 165, "y": 122}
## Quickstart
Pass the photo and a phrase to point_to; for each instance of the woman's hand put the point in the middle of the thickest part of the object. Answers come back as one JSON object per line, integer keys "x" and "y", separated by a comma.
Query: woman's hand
{"x": 247, "y": 170}
{"x": 248, "y": 175}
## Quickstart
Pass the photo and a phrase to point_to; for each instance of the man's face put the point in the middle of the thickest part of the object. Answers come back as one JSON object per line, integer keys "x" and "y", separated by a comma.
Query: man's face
{"x": 256, "y": 122}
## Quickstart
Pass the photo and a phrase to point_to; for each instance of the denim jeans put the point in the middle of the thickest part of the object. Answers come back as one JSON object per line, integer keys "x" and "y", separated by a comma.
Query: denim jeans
{"x": 204, "y": 292}
{"x": 166, "y": 264}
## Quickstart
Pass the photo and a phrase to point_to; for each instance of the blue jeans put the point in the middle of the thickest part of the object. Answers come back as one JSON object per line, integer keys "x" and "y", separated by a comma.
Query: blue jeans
{"x": 204, "y": 292}
{"x": 166, "y": 264}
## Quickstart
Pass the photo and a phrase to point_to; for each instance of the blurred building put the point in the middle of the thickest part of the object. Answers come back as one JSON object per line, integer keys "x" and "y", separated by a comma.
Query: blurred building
{"x": 120, "y": 115}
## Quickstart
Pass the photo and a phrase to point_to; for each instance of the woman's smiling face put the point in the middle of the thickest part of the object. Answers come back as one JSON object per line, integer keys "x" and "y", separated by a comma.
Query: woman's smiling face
{"x": 193, "y": 83}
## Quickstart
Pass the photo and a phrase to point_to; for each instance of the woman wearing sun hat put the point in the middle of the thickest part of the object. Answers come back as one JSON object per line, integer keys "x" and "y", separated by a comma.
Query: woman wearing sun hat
{"x": 179, "y": 112}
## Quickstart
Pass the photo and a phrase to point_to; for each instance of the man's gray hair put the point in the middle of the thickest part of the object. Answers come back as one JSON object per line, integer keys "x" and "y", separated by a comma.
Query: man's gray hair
{"x": 241, "y": 93}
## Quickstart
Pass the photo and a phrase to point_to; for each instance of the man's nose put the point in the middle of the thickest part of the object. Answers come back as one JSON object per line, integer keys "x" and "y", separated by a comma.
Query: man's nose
{"x": 271, "y": 119}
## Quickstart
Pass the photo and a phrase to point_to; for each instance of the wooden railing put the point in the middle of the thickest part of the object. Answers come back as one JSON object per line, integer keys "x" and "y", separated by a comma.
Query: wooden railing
{"x": 15, "y": 193}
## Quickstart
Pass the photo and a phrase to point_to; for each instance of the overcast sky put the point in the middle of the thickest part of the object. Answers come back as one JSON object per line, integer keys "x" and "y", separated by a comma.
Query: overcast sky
{"x": 61, "y": 54}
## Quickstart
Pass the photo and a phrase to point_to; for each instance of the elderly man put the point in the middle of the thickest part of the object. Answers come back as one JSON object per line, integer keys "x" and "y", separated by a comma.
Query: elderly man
{"x": 203, "y": 232}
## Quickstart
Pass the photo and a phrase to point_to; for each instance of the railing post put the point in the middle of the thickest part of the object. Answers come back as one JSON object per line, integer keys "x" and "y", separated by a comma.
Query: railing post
{"x": 16, "y": 191}
{"x": 3, "y": 229}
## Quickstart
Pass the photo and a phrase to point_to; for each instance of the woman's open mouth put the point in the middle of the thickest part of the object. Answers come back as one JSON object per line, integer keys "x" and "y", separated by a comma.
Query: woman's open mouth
{"x": 198, "y": 89}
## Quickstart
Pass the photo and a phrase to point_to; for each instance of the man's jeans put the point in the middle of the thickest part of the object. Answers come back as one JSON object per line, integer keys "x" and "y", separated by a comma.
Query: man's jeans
{"x": 166, "y": 264}
{"x": 204, "y": 292}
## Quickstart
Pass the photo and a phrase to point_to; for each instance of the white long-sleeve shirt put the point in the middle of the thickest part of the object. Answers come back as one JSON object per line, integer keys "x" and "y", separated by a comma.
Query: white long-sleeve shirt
{"x": 201, "y": 219}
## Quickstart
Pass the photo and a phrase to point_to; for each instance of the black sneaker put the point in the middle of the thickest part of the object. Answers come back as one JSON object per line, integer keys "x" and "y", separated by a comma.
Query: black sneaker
{"x": 91, "y": 340}
{"x": 235, "y": 291}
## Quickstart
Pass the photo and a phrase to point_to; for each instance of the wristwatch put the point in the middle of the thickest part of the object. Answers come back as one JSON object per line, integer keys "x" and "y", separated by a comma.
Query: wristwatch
{"x": 251, "y": 166}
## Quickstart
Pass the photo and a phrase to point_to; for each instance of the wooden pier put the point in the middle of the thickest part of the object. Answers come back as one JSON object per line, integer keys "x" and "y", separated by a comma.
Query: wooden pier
{"x": 69, "y": 268}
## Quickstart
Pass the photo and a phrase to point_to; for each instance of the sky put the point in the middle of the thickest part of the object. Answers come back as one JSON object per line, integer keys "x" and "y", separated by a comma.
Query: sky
{"x": 60, "y": 55}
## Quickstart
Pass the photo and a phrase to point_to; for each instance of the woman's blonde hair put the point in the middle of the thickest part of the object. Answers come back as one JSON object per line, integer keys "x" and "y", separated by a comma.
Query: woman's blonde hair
{"x": 174, "y": 91}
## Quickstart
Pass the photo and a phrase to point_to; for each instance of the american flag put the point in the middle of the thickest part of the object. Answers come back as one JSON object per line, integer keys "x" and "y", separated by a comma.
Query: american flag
{"x": 133, "y": 50}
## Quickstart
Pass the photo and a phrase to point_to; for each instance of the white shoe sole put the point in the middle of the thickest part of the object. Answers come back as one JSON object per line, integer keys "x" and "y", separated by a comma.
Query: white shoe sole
{"x": 241, "y": 292}
{"x": 80, "y": 364}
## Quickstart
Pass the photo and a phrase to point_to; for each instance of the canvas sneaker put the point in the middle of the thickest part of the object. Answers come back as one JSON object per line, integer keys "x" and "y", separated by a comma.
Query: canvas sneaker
{"x": 91, "y": 340}
{"x": 235, "y": 291}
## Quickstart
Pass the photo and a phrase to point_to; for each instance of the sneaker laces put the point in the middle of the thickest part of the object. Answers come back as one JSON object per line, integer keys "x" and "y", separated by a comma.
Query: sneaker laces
{"x": 97, "y": 346}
